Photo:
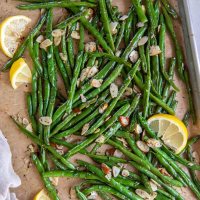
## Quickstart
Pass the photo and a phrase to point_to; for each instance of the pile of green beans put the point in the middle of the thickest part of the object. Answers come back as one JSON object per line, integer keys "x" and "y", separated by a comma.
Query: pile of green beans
{"x": 108, "y": 113}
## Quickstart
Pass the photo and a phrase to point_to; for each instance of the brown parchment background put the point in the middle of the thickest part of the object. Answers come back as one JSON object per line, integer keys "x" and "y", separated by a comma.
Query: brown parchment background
{"x": 13, "y": 102}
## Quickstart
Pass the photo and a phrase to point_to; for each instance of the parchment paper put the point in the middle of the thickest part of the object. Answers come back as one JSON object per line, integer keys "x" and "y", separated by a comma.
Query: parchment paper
{"x": 13, "y": 102}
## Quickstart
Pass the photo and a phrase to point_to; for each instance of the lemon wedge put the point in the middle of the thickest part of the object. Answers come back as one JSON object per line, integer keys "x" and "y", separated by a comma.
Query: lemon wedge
{"x": 171, "y": 130}
{"x": 20, "y": 73}
{"x": 11, "y": 32}
{"x": 42, "y": 195}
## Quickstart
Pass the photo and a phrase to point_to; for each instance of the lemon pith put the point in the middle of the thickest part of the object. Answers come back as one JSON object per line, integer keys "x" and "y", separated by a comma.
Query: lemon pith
{"x": 42, "y": 195}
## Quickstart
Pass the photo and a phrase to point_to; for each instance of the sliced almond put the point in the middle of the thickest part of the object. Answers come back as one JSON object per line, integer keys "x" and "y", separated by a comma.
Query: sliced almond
{"x": 90, "y": 47}
{"x": 83, "y": 98}
{"x": 125, "y": 173}
{"x": 108, "y": 176}
{"x": 25, "y": 121}
{"x": 75, "y": 35}
{"x": 84, "y": 74}
{"x": 116, "y": 171}
{"x": 58, "y": 32}
{"x": 134, "y": 56}
{"x": 195, "y": 156}
{"x": 140, "y": 24}
{"x": 154, "y": 50}
{"x": 138, "y": 129}
{"x": 153, "y": 143}
{"x": 128, "y": 92}
{"x": 142, "y": 146}
{"x": 124, "y": 17}
{"x": 136, "y": 89}
{"x": 46, "y": 121}
{"x": 125, "y": 144}
{"x": 90, "y": 13}
{"x": 40, "y": 39}
{"x": 154, "y": 187}
{"x": 124, "y": 121}
{"x": 118, "y": 53}
{"x": 29, "y": 128}
{"x": 113, "y": 27}
{"x": 100, "y": 139}
{"x": 113, "y": 90}
{"x": 57, "y": 40}
{"x": 92, "y": 71}
{"x": 45, "y": 44}
{"x": 143, "y": 41}
{"x": 103, "y": 108}
{"x": 85, "y": 128}
{"x": 163, "y": 171}
{"x": 96, "y": 83}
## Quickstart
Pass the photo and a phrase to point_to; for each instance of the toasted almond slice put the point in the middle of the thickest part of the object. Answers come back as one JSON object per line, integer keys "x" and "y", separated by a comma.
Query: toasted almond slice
{"x": 92, "y": 71}
{"x": 142, "y": 146}
{"x": 45, "y": 44}
{"x": 57, "y": 40}
{"x": 46, "y": 121}
{"x": 40, "y": 39}
{"x": 134, "y": 55}
{"x": 85, "y": 128}
{"x": 143, "y": 41}
{"x": 124, "y": 17}
{"x": 140, "y": 24}
{"x": 57, "y": 33}
{"x": 113, "y": 90}
{"x": 142, "y": 194}
{"x": 153, "y": 143}
{"x": 103, "y": 108}
{"x": 100, "y": 139}
{"x": 83, "y": 98}
{"x": 116, "y": 171}
{"x": 96, "y": 83}
{"x": 93, "y": 195}
{"x": 125, "y": 173}
{"x": 138, "y": 129}
{"x": 63, "y": 57}
{"x": 124, "y": 121}
{"x": 75, "y": 35}
{"x": 84, "y": 73}
{"x": 90, "y": 47}
{"x": 128, "y": 92}
{"x": 154, "y": 50}
{"x": 54, "y": 180}
{"x": 113, "y": 27}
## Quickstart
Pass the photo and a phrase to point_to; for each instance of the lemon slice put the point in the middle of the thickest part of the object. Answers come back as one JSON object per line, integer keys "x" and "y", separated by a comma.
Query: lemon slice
{"x": 171, "y": 130}
{"x": 20, "y": 73}
{"x": 42, "y": 195}
{"x": 11, "y": 30}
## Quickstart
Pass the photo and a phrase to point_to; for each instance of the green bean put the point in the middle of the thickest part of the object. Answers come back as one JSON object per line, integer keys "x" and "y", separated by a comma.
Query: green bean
{"x": 33, "y": 48}
{"x": 35, "y": 139}
{"x": 128, "y": 26}
{"x": 34, "y": 91}
{"x": 179, "y": 55}
{"x": 70, "y": 174}
{"x": 166, "y": 89}
{"x": 192, "y": 172}
{"x": 110, "y": 11}
{"x": 111, "y": 182}
{"x": 104, "y": 188}
{"x": 162, "y": 34}
{"x": 49, "y": 186}
{"x": 40, "y": 105}
{"x": 139, "y": 11}
{"x": 171, "y": 98}
{"x": 50, "y": 60}
{"x": 19, "y": 52}
{"x": 146, "y": 183}
{"x": 61, "y": 67}
{"x": 30, "y": 112}
{"x": 74, "y": 82}
{"x": 50, "y": 5}
{"x": 64, "y": 51}
{"x": 46, "y": 83}
{"x": 157, "y": 12}
{"x": 143, "y": 170}
{"x": 106, "y": 23}
{"x": 82, "y": 38}
{"x": 113, "y": 58}
{"x": 79, "y": 194}
{"x": 189, "y": 91}
{"x": 143, "y": 58}
{"x": 152, "y": 15}
{"x": 104, "y": 196}
{"x": 169, "y": 8}
{"x": 120, "y": 35}
{"x": 57, "y": 163}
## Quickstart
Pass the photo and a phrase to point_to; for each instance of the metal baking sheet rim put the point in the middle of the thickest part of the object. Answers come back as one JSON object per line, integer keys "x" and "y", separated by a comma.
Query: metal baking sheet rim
{"x": 193, "y": 59}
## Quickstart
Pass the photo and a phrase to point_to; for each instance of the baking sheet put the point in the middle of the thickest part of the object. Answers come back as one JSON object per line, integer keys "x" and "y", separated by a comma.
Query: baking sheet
{"x": 13, "y": 102}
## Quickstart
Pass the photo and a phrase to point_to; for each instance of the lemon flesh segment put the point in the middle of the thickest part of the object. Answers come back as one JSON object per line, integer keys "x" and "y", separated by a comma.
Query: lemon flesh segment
{"x": 171, "y": 130}
{"x": 11, "y": 32}
{"x": 42, "y": 195}
{"x": 20, "y": 73}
